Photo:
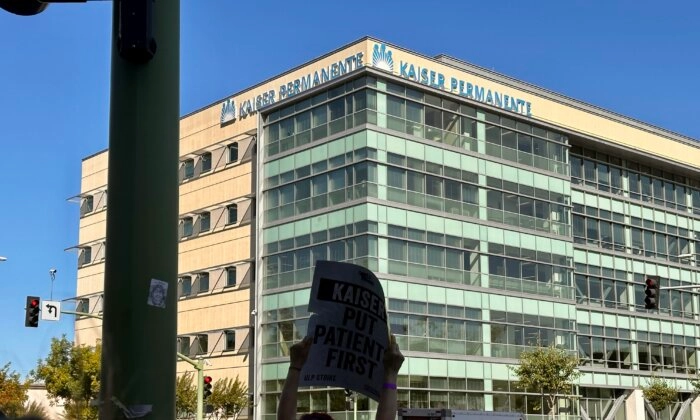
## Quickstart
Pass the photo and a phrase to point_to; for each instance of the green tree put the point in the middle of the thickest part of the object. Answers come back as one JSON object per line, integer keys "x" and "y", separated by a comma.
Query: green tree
{"x": 185, "y": 396}
{"x": 72, "y": 375}
{"x": 13, "y": 392}
{"x": 550, "y": 371}
{"x": 659, "y": 394}
{"x": 229, "y": 397}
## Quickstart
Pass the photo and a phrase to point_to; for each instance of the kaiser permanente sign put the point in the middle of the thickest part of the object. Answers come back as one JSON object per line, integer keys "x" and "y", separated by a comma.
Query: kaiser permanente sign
{"x": 382, "y": 58}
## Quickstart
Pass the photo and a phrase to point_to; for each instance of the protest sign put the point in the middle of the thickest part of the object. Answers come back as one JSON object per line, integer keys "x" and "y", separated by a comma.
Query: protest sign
{"x": 348, "y": 329}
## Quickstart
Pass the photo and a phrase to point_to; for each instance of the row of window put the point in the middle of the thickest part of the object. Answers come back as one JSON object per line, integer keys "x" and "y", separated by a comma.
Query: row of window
{"x": 199, "y": 344}
{"x": 605, "y": 292}
{"x": 419, "y": 120}
{"x": 190, "y": 286}
{"x": 634, "y": 184}
{"x": 591, "y": 231}
{"x": 205, "y": 161}
{"x": 619, "y": 354}
{"x": 642, "y": 335}
{"x": 191, "y": 227}
{"x": 669, "y": 224}
{"x": 416, "y": 188}
{"x": 417, "y": 259}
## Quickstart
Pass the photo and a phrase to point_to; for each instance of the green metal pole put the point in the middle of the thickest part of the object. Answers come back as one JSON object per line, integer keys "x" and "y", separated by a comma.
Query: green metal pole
{"x": 200, "y": 391}
{"x": 138, "y": 339}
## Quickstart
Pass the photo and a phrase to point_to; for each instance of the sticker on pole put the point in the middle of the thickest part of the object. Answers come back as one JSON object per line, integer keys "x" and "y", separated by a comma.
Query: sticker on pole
{"x": 348, "y": 327}
{"x": 157, "y": 293}
{"x": 50, "y": 310}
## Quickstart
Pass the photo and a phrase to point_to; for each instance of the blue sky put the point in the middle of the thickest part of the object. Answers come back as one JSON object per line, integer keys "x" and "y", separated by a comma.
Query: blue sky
{"x": 631, "y": 57}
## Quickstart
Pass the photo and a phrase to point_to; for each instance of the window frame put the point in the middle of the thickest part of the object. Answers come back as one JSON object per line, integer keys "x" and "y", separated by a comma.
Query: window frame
{"x": 187, "y": 222}
{"x": 229, "y": 270}
{"x": 206, "y": 157}
{"x": 205, "y": 215}
{"x": 227, "y": 335}
{"x": 228, "y": 214}
{"x": 230, "y": 149}
{"x": 188, "y": 169}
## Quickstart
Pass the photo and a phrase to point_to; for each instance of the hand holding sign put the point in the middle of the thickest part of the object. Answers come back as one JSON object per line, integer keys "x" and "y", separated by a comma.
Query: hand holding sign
{"x": 393, "y": 359}
{"x": 299, "y": 352}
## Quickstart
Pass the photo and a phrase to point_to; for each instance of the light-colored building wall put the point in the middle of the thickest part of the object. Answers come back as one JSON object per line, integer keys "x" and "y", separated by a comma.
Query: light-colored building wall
{"x": 37, "y": 394}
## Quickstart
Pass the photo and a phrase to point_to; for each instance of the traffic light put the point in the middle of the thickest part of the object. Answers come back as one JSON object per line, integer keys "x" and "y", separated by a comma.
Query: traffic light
{"x": 652, "y": 292}
{"x": 31, "y": 318}
{"x": 207, "y": 386}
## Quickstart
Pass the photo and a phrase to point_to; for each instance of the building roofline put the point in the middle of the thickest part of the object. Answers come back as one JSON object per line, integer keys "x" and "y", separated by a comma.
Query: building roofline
{"x": 563, "y": 99}
{"x": 496, "y": 77}
{"x": 270, "y": 79}
{"x": 106, "y": 149}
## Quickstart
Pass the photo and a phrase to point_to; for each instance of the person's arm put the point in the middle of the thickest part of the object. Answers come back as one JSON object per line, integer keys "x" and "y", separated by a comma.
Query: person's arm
{"x": 388, "y": 404}
{"x": 287, "y": 408}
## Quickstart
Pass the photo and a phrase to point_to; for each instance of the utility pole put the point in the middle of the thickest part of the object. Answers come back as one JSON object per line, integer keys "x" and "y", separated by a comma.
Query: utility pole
{"x": 140, "y": 315}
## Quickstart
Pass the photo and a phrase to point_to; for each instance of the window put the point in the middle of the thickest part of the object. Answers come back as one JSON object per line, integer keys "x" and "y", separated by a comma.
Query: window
{"x": 87, "y": 206}
{"x": 231, "y": 276}
{"x": 232, "y": 210}
{"x": 233, "y": 152}
{"x": 230, "y": 343}
{"x": 186, "y": 227}
{"x": 206, "y": 162}
{"x": 204, "y": 221}
{"x": 185, "y": 286}
{"x": 184, "y": 345}
{"x": 203, "y": 282}
{"x": 85, "y": 255}
{"x": 189, "y": 168}
{"x": 83, "y": 305}
{"x": 202, "y": 344}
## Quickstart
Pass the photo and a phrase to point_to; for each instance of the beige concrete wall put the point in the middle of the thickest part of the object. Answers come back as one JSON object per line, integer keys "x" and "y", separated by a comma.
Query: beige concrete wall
{"x": 37, "y": 394}
{"x": 93, "y": 227}
{"x": 90, "y": 279}
{"x": 221, "y": 186}
{"x": 94, "y": 172}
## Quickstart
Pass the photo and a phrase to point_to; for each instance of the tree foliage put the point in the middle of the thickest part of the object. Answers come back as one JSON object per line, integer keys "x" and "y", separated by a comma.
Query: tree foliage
{"x": 547, "y": 370}
{"x": 13, "y": 392}
{"x": 71, "y": 374}
{"x": 229, "y": 397}
{"x": 185, "y": 396}
{"x": 659, "y": 393}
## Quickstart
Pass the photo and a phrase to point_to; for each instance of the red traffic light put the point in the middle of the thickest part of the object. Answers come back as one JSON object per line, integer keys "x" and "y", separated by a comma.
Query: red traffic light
{"x": 651, "y": 283}
{"x": 207, "y": 379}
{"x": 34, "y": 303}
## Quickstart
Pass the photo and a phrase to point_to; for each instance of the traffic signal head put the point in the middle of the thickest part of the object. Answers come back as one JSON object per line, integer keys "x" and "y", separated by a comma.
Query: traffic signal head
{"x": 207, "y": 386}
{"x": 651, "y": 290}
{"x": 31, "y": 318}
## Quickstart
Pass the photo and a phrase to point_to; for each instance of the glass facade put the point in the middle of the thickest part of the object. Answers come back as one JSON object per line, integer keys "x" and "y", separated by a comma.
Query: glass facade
{"x": 489, "y": 233}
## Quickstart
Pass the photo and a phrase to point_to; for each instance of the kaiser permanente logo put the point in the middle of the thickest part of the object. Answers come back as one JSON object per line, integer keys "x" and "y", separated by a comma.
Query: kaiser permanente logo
{"x": 228, "y": 111}
{"x": 381, "y": 58}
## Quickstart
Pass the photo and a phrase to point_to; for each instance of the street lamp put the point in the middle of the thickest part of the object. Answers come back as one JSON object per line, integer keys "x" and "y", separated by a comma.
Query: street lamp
{"x": 3, "y": 259}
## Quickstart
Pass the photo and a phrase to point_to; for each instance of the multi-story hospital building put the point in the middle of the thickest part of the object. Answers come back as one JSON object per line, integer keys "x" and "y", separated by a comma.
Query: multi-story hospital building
{"x": 496, "y": 214}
